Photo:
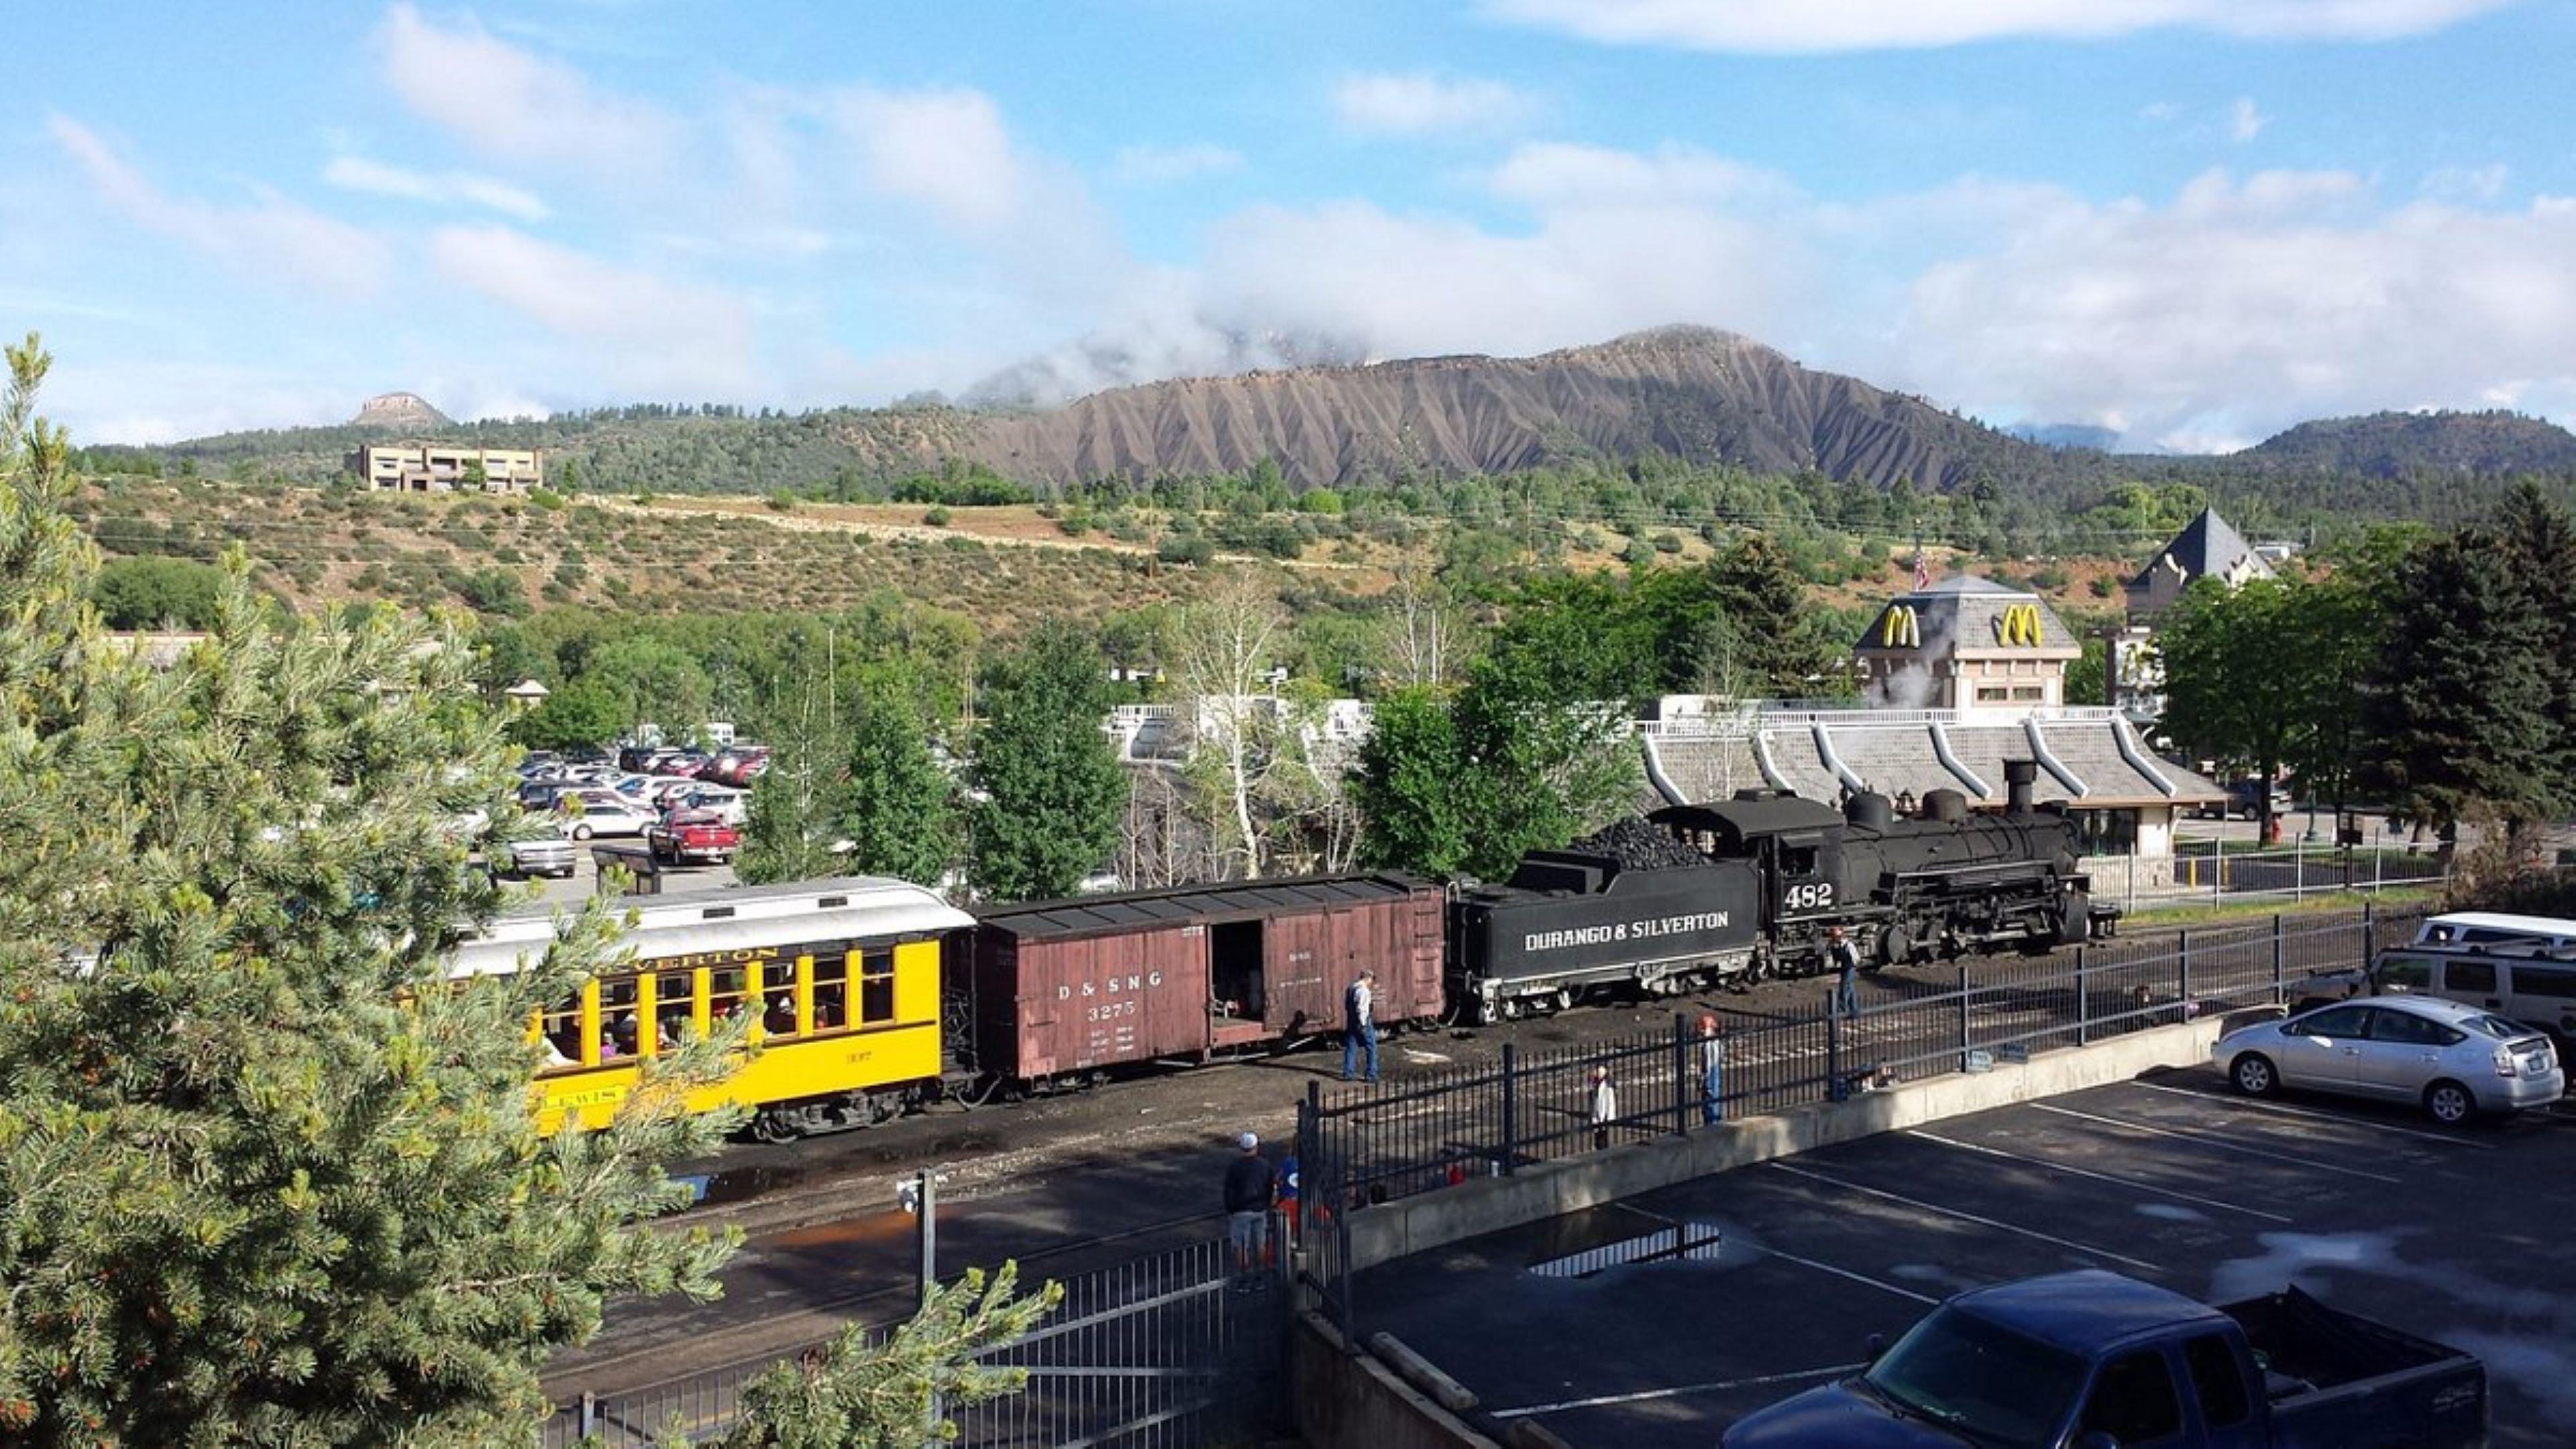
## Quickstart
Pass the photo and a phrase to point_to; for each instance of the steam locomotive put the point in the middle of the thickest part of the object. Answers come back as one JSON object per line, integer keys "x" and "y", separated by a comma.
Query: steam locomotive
{"x": 1776, "y": 874}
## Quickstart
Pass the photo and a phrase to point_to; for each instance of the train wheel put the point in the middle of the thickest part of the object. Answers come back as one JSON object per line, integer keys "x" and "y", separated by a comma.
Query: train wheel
{"x": 771, "y": 1125}
{"x": 1895, "y": 947}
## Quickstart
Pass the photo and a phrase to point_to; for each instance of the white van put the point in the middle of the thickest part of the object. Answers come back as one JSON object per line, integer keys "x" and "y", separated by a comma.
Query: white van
{"x": 2538, "y": 991}
{"x": 2500, "y": 933}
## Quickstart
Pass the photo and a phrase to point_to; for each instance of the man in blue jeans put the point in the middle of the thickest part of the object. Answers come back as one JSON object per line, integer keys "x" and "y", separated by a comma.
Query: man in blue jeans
{"x": 1359, "y": 1025}
{"x": 1712, "y": 1071}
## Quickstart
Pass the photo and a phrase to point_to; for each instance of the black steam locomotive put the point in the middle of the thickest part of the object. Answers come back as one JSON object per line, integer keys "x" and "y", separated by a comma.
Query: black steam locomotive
{"x": 1769, "y": 876}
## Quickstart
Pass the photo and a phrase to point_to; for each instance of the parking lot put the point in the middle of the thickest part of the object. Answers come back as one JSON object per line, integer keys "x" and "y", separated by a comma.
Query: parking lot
{"x": 1766, "y": 1281}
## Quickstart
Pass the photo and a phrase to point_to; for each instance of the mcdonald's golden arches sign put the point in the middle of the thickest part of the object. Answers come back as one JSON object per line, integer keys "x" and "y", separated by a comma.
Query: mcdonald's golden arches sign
{"x": 1901, "y": 629}
{"x": 2019, "y": 624}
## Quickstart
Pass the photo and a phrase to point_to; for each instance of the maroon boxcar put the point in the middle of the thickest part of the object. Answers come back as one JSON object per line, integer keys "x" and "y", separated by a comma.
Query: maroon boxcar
{"x": 1059, "y": 988}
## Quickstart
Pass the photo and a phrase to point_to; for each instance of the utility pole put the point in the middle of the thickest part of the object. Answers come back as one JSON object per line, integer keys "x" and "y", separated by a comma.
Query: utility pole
{"x": 920, "y": 1196}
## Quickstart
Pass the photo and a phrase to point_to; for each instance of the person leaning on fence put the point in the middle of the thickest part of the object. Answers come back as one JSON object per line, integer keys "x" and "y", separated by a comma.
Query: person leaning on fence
{"x": 1359, "y": 1025}
{"x": 1605, "y": 1107}
{"x": 1712, "y": 1070}
{"x": 1846, "y": 960}
{"x": 1247, "y": 1210}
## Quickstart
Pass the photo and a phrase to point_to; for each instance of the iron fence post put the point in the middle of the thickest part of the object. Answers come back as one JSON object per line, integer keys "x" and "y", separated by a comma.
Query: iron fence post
{"x": 1511, "y": 1110}
{"x": 1681, "y": 1076}
{"x": 2182, "y": 943}
{"x": 589, "y": 1413}
{"x": 1966, "y": 1035}
{"x": 2280, "y": 983}
{"x": 2083, "y": 999}
{"x": 1833, "y": 1050}
{"x": 2369, "y": 932}
{"x": 1310, "y": 1154}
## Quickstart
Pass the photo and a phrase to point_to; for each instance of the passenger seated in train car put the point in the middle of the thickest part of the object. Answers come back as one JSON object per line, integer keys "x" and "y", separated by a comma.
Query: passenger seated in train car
{"x": 830, "y": 1004}
{"x": 671, "y": 1031}
{"x": 780, "y": 1017}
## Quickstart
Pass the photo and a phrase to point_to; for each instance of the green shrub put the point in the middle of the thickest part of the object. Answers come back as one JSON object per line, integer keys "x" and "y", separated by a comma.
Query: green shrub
{"x": 937, "y": 517}
{"x": 547, "y": 499}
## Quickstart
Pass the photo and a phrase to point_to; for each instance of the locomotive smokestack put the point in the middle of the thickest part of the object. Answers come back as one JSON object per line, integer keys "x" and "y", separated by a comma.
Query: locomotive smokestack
{"x": 2019, "y": 776}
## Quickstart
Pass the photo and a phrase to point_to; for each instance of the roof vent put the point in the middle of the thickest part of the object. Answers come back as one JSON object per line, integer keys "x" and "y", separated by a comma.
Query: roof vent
{"x": 827, "y": 902}
{"x": 716, "y": 913}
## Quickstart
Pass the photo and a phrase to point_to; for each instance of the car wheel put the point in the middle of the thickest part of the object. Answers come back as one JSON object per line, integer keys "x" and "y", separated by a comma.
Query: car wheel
{"x": 2254, "y": 1075}
{"x": 581, "y": 832}
{"x": 2449, "y": 1103}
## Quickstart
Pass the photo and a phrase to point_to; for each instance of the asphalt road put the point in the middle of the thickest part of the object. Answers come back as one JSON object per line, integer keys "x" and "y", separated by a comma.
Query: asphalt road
{"x": 1787, "y": 1268}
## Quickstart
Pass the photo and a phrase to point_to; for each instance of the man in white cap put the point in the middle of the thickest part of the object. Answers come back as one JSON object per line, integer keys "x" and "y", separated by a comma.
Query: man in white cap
{"x": 1247, "y": 1210}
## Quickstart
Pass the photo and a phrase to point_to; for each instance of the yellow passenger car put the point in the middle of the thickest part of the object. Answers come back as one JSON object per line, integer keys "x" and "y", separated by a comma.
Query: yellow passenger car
{"x": 839, "y": 978}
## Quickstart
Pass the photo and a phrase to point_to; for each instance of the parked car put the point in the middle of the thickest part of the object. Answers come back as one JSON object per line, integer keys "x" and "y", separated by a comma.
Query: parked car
{"x": 2093, "y": 1360}
{"x": 552, "y": 855}
{"x": 738, "y": 766}
{"x": 2500, "y": 932}
{"x": 731, "y": 806}
{"x": 605, "y": 812}
{"x": 2245, "y": 801}
{"x": 2455, "y": 1061}
{"x": 693, "y": 837}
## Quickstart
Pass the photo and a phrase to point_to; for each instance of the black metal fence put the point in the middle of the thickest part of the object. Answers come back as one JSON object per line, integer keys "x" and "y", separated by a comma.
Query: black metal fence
{"x": 1366, "y": 1145}
{"x": 1166, "y": 1351}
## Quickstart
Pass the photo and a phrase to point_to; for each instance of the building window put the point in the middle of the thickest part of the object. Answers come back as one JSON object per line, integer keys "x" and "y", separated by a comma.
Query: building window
{"x": 2031, "y": 692}
{"x": 1992, "y": 694}
{"x": 2106, "y": 832}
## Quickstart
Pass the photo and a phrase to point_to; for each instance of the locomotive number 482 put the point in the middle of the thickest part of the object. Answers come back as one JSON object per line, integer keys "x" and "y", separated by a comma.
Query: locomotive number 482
{"x": 1815, "y": 896}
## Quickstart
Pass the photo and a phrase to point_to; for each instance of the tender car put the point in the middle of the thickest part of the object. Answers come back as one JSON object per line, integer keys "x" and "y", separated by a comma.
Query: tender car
{"x": 693, "y": 837}
{"x": 542, "y": 855}
{"x": 2455, "y": 1061}
{"x": 604, "y": 812}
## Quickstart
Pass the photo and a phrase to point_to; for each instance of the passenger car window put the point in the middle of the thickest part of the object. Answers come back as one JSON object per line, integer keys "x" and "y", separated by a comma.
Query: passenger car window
{"x": 2217, "y": 1380}
{"x": 2535, "y": 981}
{"x": 2338, "y": 1021}
{"x": 2133, "y": 1401}
{"x": 2403, "y": 975}
{"x": 876, "y": 986}
{"x": 2411, "y": 1030}
{"x": 2468, "y": 975}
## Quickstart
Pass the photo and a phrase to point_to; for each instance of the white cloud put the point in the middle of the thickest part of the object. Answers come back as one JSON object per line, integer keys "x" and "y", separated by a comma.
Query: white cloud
{"x": 669, "y": 338}
{"x": 2245, "y": 120}
{"x": 445, "y": 188}
{"x": 1807, "y": 26}
{"x": 2244, "y": 306}
{"x": 2159, "y": 111}
{"x": 273, "y": 240}
{"x": 2467, "y": 183}
{"x": 515, "y": 106}
{"x": 1165, "y": 165}
{"x": 946, "y": 149}
{"x": 1422, "y": 103}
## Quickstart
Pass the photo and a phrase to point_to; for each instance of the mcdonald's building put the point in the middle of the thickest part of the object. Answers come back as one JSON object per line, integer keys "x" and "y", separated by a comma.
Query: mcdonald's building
{"x": 1970, "y": 646}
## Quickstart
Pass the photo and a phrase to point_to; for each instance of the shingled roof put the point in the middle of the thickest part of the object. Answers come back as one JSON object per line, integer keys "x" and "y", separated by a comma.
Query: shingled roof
{"x": 2087, "y": 761}
{"x": 2207, "y": 547}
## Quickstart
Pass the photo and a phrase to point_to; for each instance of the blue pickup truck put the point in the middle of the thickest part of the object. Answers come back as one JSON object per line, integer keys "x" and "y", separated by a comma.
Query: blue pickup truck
{"x": 2093, "y": 1360}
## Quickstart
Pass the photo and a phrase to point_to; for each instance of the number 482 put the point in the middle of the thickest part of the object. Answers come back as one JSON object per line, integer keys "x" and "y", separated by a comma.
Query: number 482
{"x": 1811, "y": 897}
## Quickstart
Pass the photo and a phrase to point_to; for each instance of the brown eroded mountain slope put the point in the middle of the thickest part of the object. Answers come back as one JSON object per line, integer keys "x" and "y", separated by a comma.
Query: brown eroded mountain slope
{"x": 1688, "y": 392}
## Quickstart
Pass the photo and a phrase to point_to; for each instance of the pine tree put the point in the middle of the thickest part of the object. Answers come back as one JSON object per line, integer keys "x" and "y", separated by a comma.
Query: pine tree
{"x": 902, "y": 818}
{"x": 1053, "y": 793}
{"x": 272, "y": 1177}
{"x": 800, "y": 801}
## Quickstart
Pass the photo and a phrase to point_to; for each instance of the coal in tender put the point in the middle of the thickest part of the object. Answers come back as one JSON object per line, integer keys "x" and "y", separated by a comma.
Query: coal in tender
{"x": 1637, "y": 845}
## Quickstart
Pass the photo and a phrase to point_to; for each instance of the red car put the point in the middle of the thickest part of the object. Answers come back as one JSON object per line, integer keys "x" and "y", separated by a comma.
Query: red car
{"x": 693, "y": 837}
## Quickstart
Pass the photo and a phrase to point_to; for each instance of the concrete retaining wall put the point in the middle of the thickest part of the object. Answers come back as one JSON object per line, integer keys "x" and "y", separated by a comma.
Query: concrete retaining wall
{"x": 1430, "y": 1220}
{"x": 1343, "y": 1400}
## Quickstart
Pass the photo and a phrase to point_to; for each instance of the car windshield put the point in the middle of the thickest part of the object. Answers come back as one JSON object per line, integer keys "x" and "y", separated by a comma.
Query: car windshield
{"x": 1980, "y": 1380}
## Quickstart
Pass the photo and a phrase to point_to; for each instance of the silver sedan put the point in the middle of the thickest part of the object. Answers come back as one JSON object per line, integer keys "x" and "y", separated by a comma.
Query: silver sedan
{"x": 2454, "y": 1061}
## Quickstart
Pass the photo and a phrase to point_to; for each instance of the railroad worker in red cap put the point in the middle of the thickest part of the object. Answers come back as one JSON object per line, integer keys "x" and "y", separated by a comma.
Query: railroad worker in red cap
{"x": 1247, "y": 1210}
{"x": 1712, "y": 1070}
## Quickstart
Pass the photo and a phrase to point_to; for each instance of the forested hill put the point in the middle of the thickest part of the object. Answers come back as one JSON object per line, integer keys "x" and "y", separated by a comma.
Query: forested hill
{"x": 1688, "y": 393}
{"x": 2390, "y": 445}
{"x": 1685, "y": 394}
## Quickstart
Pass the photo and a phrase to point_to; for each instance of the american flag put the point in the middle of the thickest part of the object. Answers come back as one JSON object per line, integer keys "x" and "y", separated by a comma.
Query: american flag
{"x": 1922, "y": 570}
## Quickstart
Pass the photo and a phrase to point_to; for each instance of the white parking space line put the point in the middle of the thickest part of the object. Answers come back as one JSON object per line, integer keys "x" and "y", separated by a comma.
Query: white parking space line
{"x": 1863, "y": 1279}
{"x": 2259, "y": 1104}
{"x": 1721, "y": 1386}
{"x": 2221, "y": 1143}
{"x": 2151, "y": 1189}
{"x": 1966, "y": 1217}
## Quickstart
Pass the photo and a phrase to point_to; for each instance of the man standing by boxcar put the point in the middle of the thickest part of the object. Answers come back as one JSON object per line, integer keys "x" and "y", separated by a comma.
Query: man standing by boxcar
{"x": 1247, "y": 1210}
{"x": 1359, "y": 1026}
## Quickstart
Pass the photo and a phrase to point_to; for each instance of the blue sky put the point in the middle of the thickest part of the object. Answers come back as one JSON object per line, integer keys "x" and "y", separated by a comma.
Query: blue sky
{"x": 2195, "y": 221}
